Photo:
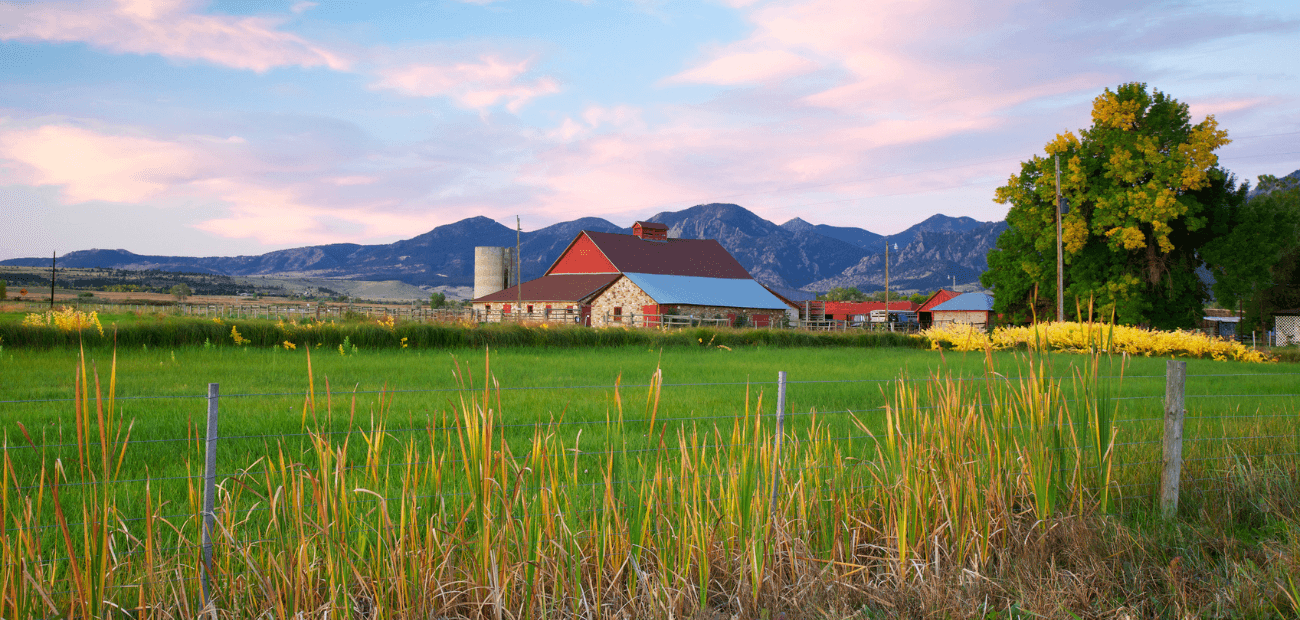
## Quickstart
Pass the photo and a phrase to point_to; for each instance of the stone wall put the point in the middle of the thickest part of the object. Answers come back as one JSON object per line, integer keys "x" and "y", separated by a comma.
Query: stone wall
{"x": 622, "y": 294}
{"x": 969, "y": 317}
{"x": 775, "y": 317}
{"x": 557, "y": 314}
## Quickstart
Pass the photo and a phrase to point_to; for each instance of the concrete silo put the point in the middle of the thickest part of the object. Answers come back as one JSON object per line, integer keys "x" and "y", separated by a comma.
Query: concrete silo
{"x": 493, "y": 269}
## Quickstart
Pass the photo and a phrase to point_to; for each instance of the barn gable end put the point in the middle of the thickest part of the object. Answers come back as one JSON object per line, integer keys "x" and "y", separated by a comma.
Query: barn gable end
{"x": 582, "y": 256}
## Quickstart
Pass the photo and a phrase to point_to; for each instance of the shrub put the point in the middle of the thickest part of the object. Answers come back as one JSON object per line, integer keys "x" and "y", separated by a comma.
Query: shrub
{"x": 177, "y": 331}
{"x": 1091, "y": 337}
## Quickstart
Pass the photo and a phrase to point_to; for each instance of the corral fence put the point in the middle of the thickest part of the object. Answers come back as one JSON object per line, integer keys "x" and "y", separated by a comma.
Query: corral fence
{"x": 1158, "y": 447}
{"x": 295, "y": 312}
{"x": 289, "y": 311}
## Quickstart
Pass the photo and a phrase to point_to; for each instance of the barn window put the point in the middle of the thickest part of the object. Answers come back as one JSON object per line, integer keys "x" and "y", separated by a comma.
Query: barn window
{"x": 487, "y": 307}
{"x": 530, "y": 309}
{"x": 618, "y": 313}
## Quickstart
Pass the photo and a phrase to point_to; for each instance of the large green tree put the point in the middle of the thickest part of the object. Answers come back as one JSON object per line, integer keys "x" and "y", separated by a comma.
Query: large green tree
{"x": 1255, "y": 251}
{"x": 841, "y": 293}
{"x": 1143, "y": 187}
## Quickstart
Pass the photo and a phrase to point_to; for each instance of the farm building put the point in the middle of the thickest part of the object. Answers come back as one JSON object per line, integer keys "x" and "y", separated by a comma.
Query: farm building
{"x": 970, "y": 308}
{"x": 859, "y": 311}
{"x": 1221, "y": 326}
{"x": 925, "y": 313}
{"x": 639, "y": 279}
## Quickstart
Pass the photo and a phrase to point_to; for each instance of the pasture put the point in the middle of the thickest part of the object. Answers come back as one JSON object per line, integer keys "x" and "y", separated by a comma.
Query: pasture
{"x": 583, "y": 478}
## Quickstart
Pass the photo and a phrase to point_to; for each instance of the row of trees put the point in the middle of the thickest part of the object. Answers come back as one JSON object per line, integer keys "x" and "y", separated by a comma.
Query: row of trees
{"x": 1150, "y": 213}
{"x": 851, "y": 293}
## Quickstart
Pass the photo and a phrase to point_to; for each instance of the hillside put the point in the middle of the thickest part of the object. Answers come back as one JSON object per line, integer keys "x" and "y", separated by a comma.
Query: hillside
{"x": 793, "y": 255}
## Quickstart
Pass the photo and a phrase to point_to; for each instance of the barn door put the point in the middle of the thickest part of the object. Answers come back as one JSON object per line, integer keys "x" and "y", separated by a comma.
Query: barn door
{"x": 651, "y": 315}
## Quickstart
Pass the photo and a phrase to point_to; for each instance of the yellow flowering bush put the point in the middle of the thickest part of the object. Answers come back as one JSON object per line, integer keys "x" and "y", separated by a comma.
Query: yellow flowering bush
{"x": 66, "y": 319}
{"x": 289, "y": 346}
{"x": 236, "y": 336}
{"x": 1074, "y": 337}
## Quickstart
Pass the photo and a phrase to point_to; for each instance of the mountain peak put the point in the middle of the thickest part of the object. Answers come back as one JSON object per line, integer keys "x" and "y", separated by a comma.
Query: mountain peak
{"x": 797, "y": 225}
{"x": 944, "y": 223}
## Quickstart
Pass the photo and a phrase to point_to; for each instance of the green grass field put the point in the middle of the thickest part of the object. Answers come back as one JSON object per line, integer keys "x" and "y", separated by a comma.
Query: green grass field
{"x": 161, "y": 394}
{"x": 394, "y": 423}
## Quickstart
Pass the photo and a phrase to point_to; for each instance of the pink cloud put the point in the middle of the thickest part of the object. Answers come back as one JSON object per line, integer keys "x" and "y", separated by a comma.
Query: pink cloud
{"x": 1200, "y": 108}
{"x": 170, "y": 28}
{"x": 477, "y": 84}
{"x": 306, "y": 203}
{"x": 594, "y": 118}
{"x": 746, "y": 67}
{"x": 93, "y": 166}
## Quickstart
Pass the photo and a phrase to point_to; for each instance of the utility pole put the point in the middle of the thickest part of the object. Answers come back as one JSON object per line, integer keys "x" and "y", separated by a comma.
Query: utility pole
{"x": 886, "y": 281}
{"x": 1060, "y": 262}
{"x": 54, "y": 259}
{"x": 519, "y": 264}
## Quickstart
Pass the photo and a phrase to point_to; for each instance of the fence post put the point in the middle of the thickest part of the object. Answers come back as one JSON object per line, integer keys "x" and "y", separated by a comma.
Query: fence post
{"x": 776, "y": 458}
{"x": 1172, "y": 463}
{"x": 209, "y": 493}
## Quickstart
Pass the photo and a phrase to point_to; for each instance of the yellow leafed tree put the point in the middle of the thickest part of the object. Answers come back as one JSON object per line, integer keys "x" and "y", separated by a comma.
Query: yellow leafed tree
{"x": 1143, "y": 190}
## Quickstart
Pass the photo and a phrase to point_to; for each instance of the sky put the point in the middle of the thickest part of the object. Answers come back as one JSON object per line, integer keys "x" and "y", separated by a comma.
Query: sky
{"x": 228, "y": 127}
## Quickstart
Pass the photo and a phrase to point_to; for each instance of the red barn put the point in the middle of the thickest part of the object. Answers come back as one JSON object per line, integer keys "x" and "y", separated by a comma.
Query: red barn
{"x": 606, "y": 278}
{"x": 925, "y": 313}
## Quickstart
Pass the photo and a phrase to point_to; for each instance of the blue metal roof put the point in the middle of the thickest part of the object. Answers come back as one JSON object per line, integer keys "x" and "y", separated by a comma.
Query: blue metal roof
{"x": 698, "y": 291}
{"x": 968, "y": 302}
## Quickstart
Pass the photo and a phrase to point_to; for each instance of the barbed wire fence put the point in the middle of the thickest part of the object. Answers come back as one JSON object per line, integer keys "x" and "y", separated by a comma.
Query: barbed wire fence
{"x": 1169, "y": 456}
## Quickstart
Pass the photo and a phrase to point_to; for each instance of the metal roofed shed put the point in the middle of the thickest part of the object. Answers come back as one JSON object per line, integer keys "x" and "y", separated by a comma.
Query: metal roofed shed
{"x": 1221, "y": 326}
{"x": 924, "y": 313}
{"x": 967, "y": 302}
{"x": 698, "y": 291}
{"x": 969, "y": 308}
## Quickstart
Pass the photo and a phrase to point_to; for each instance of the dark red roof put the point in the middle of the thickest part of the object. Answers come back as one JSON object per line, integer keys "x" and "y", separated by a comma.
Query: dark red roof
{"x": 937, "y": 298}
{"x": 564, "y": 287}
{"x": 704, "y": 258}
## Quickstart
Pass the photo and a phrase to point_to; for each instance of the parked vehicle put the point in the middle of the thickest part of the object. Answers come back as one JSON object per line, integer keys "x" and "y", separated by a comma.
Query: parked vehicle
{"x": 902, "y": 317}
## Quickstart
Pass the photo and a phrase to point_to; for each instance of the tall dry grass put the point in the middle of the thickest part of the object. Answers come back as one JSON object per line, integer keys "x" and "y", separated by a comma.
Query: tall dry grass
{"x": 961, "y": 487}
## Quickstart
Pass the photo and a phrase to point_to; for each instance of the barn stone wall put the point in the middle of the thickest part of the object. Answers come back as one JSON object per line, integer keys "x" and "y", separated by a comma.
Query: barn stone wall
{"x": 561, "y": 311}
{"x": 775, "y": 317}
{"x": 622, "y": 294}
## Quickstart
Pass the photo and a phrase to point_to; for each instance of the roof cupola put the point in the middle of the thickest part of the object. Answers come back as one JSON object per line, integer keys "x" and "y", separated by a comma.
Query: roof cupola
{"x": 650, "y": 231}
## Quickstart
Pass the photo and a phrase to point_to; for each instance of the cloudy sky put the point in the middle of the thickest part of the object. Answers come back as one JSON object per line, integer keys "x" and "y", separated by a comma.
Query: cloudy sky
{"x": 241, "y": 126}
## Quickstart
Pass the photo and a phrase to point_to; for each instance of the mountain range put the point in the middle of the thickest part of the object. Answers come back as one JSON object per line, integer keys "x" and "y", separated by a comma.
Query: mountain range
{"x": 794, "y": 256}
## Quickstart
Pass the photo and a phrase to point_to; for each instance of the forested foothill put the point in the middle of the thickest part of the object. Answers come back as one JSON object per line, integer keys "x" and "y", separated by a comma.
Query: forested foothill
{"x": 1154, "y": 230}
{"x": 36, "y": 279}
